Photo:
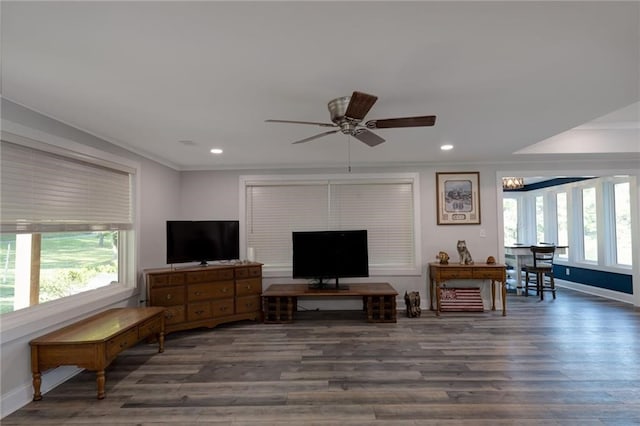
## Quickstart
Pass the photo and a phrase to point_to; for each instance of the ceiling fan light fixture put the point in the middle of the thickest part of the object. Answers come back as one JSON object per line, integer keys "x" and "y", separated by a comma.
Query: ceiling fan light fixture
{"x": 216, "y": 151}
{"x": 512, "y": 183}
{"x": 446, "y": 147}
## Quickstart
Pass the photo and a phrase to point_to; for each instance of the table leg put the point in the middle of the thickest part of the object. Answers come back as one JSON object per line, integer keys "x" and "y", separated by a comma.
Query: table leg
{"x": 100, "y": 381}
{"x": 438, "y": 295}
{"x": 504, "y": 297}
{"x": 493, "y": 295}
{"x": 161, "y": 341}
{"x": 431, "y": 294}
{"x": 37, "y": 381}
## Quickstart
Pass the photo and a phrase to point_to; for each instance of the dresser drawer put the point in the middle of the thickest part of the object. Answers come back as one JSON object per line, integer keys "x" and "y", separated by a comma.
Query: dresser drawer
{"x": 166, "y": 296}
{"x": 158, "y": 280}
{"x": 216, "y": 290}
{"x": 174, "y": 315}
{"x": 211, "y": 275}
{"x": 451, "y": 274}
{"x": 249, "y": 272}
{"x": 122, "y": 342}
{"x": 248, "y": 286}
{"x": 248, "y": 304}
{"x": 222, "y": 308}
{"x": 198, "y": 311}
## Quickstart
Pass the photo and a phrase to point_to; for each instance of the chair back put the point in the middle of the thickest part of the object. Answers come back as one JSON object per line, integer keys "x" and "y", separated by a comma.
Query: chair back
{"x": 543, "y": 256}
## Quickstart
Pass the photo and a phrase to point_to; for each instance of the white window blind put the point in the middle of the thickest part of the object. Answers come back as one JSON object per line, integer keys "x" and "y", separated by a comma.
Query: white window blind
{"x": 385, "y": 210}
{"x": 384, "y": 207}
{"x": 275, "y": 211}
{"x": 43, "y": 191}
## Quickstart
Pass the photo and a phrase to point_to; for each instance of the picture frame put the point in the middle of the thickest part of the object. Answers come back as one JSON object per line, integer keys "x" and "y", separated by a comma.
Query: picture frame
{"x": 458, "y": 198}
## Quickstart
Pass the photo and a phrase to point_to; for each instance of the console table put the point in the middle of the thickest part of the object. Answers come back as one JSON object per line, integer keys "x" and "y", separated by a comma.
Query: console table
{"x": 439, "y": 273}
{"x": 280, "y": 301}
{"x": 94, "y": 342}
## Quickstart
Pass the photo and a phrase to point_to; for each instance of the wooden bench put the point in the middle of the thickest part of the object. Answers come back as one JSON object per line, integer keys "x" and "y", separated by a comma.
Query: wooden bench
{"x": 94, "y": 342}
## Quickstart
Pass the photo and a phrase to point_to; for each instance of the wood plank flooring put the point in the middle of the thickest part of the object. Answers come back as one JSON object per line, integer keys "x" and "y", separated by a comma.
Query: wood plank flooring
{"x": 570, "y": 361}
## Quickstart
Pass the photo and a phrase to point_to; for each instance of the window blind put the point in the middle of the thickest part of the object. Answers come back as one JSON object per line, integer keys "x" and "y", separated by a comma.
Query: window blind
{"x": 275, "y": 211}
{"x": 42, "y": 191}
{"x": 384, "y": 207}
{"x": 385, "y": 210}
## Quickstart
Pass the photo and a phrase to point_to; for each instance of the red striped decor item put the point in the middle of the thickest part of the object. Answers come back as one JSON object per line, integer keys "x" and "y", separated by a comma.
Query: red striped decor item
{"x": 461, "y": 300}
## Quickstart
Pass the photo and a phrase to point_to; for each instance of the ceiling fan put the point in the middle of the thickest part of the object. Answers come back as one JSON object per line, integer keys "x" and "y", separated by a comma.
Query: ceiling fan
{"x": 347, "y": 113}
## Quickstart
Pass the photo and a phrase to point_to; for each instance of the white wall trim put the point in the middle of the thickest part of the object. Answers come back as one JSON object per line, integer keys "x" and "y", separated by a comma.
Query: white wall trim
{"x": 596, "y": 291}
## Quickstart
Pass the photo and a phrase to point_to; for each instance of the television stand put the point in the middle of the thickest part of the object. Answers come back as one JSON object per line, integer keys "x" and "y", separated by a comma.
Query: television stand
{"x": 323, "y": 285}
{"x": 280, "y": 301}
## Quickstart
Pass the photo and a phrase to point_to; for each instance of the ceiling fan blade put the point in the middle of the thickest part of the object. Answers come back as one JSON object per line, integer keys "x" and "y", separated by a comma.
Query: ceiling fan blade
{"x": 301, "y": 122}
{"x": 316, "y": 136}
{"x": 359, "y": 105}
{"x": 387, "y": 123}
{"x": 368, "y": 137}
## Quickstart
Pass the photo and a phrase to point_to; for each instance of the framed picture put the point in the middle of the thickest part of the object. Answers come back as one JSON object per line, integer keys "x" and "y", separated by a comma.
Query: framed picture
{"x": 458, "y": 198}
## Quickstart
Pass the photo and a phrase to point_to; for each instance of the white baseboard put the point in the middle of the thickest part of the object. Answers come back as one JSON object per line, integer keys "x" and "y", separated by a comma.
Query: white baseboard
{"x": 21, "y": 396}
{"x": 596, "y": 291}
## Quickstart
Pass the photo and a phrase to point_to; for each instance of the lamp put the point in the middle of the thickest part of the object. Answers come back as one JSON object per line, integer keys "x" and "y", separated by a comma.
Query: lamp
{"x": 512, "y": 183}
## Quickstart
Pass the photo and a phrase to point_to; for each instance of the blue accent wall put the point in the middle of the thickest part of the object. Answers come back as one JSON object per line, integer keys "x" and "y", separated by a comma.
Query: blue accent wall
{"x": 601, "y": 279}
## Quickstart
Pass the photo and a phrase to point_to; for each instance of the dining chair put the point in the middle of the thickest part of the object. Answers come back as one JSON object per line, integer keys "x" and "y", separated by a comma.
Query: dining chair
{"x": 540, "y": 272}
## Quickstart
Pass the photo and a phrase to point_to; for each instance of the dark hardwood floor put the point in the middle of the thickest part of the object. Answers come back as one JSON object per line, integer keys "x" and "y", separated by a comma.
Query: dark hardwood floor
{"x": 570, "y": 361}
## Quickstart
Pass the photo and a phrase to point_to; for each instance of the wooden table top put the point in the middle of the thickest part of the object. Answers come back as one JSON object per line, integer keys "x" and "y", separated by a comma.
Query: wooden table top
{"x": 99, "y": 327}
{"x": 359, "y": 289}
{"x": 456, "y": 265}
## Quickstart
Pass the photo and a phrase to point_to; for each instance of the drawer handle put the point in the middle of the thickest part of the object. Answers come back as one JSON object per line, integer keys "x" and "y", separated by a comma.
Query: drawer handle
{"x": 169, "y": 297}
{"x": 123, "y": 344}
{"x": 248, "y": 287}
{"x": 224, "y": 290}
{"x": 197, "y": 293}
{"x": 168, "y": 315}
{"x": 199, "y": 312}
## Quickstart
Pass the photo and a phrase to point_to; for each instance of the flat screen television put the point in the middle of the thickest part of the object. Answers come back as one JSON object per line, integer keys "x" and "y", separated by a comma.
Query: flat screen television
{"x": 202, "y": 240}
{"x": 330, "y": 255}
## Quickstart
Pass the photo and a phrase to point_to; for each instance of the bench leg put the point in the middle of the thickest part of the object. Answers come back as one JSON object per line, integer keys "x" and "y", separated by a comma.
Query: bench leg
{"x": 37, "y": 381}
{"x": 161, "y": 342}
{"x": 100, "y": 381}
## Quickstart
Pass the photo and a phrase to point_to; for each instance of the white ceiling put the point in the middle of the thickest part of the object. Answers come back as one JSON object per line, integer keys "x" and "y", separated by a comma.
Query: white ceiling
{"x": 500, "y": 76}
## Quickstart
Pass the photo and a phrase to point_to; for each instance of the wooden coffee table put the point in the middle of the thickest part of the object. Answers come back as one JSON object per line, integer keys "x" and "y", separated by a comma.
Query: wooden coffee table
{"x": 94, "y": 342}
{"x": 279, "y": 301}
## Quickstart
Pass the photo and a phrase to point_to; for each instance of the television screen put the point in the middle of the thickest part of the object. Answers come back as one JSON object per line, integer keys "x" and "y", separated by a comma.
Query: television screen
{"x": 325, "y": 255}
{"x": 202, "y": 241}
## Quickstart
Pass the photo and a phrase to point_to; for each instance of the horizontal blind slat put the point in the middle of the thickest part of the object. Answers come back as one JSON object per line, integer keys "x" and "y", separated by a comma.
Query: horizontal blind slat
{"x": 41, "y": 190}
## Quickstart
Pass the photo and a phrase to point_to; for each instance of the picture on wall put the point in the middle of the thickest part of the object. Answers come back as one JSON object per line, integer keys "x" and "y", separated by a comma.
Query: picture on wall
{"x": 458, "y": 198}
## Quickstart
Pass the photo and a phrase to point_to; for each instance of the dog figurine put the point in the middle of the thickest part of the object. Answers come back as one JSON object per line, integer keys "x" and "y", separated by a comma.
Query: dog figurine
{"x": 463, "y": 251}
{"x": 443, "y": 258}
{"x": 412, "y": 301}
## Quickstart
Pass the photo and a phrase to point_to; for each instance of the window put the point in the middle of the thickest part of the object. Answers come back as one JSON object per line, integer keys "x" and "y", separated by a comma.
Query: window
{"x": 384, "y": 206}
{"x": 510, "y": 219}
{"x": 589, "y": 225}
{"x": 540, "y": 219}
{"x": 622, "y": 212}
{"x": 562, "y": 222}
{"x": 65, "y": 223}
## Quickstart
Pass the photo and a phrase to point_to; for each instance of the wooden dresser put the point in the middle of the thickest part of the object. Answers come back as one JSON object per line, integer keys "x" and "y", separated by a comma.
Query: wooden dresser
{"x": 206, "y": 296}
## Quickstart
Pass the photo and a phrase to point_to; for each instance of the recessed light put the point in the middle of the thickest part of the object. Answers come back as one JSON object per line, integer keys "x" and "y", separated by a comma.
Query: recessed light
{"x": 446, "y": 147}
{"x": 216, "y": 151}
